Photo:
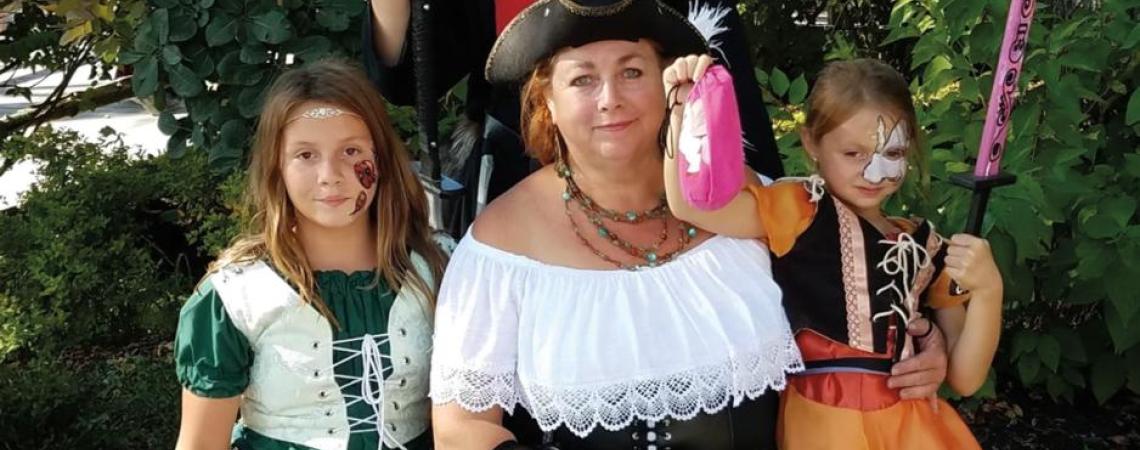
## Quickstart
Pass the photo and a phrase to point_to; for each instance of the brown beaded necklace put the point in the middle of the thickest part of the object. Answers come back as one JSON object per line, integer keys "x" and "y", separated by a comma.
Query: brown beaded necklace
{"x": 597, "y": 215}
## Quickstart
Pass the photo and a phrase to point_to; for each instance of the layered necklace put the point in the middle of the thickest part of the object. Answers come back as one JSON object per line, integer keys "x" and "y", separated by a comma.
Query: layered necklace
{"x": 598, "y": 216}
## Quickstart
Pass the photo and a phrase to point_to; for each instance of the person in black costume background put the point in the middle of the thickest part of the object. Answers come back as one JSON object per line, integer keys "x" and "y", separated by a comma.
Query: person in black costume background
{"x": 464, "y": 33}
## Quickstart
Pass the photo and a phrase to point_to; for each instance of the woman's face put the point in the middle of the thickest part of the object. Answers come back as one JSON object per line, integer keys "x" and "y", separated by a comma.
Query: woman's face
{"x": 606, "y": 98}
{"x": 328, "y": 165}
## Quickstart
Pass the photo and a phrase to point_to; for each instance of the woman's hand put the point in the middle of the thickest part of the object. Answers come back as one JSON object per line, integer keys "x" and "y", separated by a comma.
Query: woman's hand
{"x": 920, "y": 375}
{"x": 970, "y": 263}
{"x": 683, "y": 72}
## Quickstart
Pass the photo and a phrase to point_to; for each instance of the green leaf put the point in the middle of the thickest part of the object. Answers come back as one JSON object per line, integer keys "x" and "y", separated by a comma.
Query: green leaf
{"x": 1120, "y": 285}
{"x": 222, "y": 29}
{"x": 309, "y": 48}
{"x": 184, "y": 82}
{"x": 1050, "y": 351}
{"x": 171, "y": 55}
{"x": 937, "y": 65}
{"x": 200, "y": 60}
{"x": 160, "y": 20}
{"x": 1101, "y": 226}
{"x": 145, "y": 79}
{"x": 1132, "y": 164}
{"x": 1132, "y": 361}
{"x": 1092, "y": 259}
{"x": 182, "y": 25}
{"x": 1056, "y": 387}
{"x": 166, "y": 3}
{"x": 1087, "y": 55}
{"x": 224, "y": 159}
{"x": 1120, "y": 209}
{"x": 167, "y": 124}
{"x": 250, "y": 100}
{"x": 176, "y": 145}
{"x": 272, "y": 27}
{"x": 146, "y": 41}
{"x": 1072, "y": 347}
{"x": 1073, "y": 376}
{"x": 1132, "y": 116}
{"x": 234, "y": 133}
{"x": 253, "y": 53}
{"x": 1132, "y": 39}
{"x": 1124, "y": 335}
{"x": 128, "y": 57}
{"x": 779, "y": 81}
{"x": 1024, "y": 342}
{"x": 1027, "y": 368}
{"x": 203, "y": 107}
{"x": 798, "y": 90}
{"x": 761, "y": 76}
{"x": 1107, "y": 377}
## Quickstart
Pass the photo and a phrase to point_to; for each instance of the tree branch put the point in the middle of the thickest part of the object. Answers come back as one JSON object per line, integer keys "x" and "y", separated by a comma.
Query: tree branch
{"x": 68, "y": 106}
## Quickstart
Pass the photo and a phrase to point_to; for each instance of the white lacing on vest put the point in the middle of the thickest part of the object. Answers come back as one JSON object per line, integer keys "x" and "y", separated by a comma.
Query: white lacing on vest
{"x": 906, "y": 257}
{"x": 371, "y": 380}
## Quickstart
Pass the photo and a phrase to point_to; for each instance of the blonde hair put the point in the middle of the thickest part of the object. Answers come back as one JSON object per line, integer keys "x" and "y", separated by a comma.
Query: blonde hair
{"x": 398, "y": 213}
{"x": 845, "y": 87}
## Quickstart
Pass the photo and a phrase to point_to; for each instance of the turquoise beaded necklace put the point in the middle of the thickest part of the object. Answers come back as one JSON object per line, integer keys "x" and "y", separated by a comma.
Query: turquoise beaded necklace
{"x": 597, "y": 215}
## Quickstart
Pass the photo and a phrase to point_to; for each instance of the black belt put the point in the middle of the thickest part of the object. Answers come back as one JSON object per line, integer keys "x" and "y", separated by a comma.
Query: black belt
{"x": 868, "y": 364}
{"x": 751, "y": 425}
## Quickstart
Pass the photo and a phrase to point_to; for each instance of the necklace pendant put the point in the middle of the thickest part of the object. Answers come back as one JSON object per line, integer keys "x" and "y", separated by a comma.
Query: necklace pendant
{"x": 632, "y": 216}
{"x": 651, "y": 257}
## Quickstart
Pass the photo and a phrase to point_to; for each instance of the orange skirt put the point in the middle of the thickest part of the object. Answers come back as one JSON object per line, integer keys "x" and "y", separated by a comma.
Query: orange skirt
{"x": 857, "y": 411}
{"x": 906, "y": 425}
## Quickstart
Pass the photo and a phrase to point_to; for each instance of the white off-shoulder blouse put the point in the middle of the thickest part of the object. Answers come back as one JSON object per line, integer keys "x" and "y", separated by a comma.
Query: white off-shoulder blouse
{"x": 584, "y": 348}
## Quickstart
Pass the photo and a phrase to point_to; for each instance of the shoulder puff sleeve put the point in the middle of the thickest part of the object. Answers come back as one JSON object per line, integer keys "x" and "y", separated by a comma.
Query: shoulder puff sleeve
{"x": 785, "y": 210}
{"x": 212, "y": 357}
{"x": 938, "y": 295}
{"x": 475, "y": 347}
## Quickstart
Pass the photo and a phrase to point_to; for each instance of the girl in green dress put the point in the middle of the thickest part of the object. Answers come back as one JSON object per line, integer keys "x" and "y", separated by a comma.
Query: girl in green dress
{"x": 315, "y": 324}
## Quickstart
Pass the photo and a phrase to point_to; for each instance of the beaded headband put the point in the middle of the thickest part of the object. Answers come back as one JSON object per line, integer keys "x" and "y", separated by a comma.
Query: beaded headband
{"x": 321, "y": 113}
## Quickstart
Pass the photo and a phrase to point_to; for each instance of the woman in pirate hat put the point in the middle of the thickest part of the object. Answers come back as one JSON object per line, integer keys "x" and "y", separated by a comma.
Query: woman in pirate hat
{"x": 578, "y": 312}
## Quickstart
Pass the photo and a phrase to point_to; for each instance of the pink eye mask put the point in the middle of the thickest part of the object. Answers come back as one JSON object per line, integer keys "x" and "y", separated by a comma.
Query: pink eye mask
{"x": 710, "y": 160}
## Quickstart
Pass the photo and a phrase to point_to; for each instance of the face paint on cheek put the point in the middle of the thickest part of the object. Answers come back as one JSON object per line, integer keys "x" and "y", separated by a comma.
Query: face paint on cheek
{"x": 365, "y": 173}
{"x": 361, "y": 201}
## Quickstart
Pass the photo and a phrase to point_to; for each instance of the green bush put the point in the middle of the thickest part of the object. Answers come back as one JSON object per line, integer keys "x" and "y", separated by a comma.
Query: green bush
{"x": 105, "y": 246}
{"x": 126, "y": 402}
{"x": 217, "y": 58}
{"x": 1066, "y": 236}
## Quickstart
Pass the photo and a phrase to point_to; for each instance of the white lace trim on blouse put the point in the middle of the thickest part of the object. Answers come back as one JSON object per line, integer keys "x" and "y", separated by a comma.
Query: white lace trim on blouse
{"x": 587, "y": 348}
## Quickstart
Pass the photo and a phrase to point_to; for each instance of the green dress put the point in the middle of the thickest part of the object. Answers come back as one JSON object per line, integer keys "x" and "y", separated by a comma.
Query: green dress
{"x": 213, "y": 357}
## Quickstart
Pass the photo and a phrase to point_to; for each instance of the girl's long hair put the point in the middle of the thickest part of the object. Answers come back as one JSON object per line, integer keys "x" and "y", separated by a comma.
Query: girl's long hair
{"x": 399, "y": 210}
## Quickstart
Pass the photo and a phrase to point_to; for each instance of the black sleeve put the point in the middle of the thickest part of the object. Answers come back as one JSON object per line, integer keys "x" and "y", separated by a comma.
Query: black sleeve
{"x": 452, "y": 44}
{"x": 762, "y": 155}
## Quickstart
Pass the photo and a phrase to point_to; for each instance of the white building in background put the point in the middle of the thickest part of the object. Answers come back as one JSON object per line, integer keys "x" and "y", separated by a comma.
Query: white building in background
{"x": 138, "y": 126}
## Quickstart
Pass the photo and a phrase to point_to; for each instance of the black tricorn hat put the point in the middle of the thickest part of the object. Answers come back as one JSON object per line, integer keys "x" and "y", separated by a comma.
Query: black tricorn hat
{"x": 549, "y": 25}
